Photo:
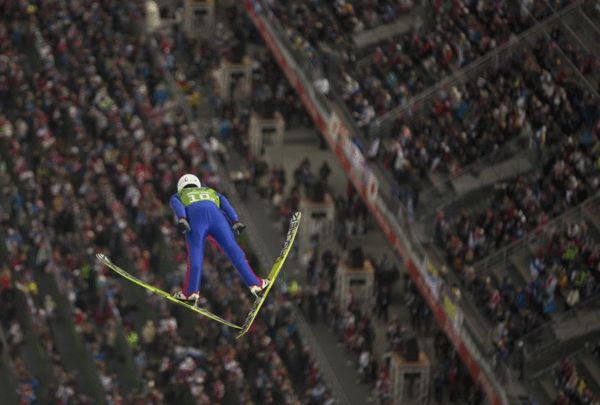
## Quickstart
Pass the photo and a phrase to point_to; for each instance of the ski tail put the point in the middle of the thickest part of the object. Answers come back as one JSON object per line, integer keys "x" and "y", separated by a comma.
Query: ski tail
{"x": 108, "y": 263}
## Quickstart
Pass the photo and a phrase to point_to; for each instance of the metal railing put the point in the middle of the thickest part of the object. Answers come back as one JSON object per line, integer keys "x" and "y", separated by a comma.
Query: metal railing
{"x": 477, "y": 360}
{"x": 574, "y": 214}
{"x": 383, "y": 209}
{"x": 481, "y": 351}
{"x": 544, "y": 340}
{"x": 314, "y": 68}
{"x": 494, "y": 62}
{"x": 580, "y": 22}
{"x": 498, "y": 166}
{"x": 470, "y": 70}
{"x": 554, "y": 23}
{"x": 490, "y": 62}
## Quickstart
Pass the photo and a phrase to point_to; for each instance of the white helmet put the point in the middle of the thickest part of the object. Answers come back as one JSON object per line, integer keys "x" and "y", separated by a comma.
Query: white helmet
{"x": 187, "y": 180}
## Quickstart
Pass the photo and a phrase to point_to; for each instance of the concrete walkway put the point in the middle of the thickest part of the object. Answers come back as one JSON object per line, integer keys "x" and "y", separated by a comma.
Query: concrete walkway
{"x": 261, "y": 224}
{"x": 301, "y": 143}
{"x": 384, "y": 31}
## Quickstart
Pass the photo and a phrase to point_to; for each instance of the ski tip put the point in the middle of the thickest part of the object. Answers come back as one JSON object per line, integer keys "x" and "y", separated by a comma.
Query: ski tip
{"x": 102, "y": 257}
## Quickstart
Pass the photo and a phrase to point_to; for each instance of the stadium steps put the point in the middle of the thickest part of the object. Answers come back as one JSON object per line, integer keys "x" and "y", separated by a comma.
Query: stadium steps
{"x": 134, "y": 295}
{"x": 366, "y": 39}
{"x": 589, "y": 368}
{"x": 495, "y": 271}
{"x": 36, "y": 360}
{"x": 548, "y": 388}
{"x": 121, "y": 362}
{"x": 563, "y": 345}
{"x": 592, "y": 215}
{"x": 474, "y": 193}
{"x": 70, "y": 346}
{"x": 474, "y": 201}
{"x": 74, "y": 356}
{"x": 68, "y": 343}
{"x": 592, "y": 13}
{"x": 8, "y": 382}
{"x": 494, "y": 173}
{"x": 439, "y": 182}
{"x": 587, "y": 38}
{"x": 520, "y": 262}
{"x": 34, "y": 355}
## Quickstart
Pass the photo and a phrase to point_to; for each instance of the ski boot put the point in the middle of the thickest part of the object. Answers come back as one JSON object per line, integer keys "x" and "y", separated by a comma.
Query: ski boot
{"x": 259, "y": 289}
{"x": 191, "y": 299}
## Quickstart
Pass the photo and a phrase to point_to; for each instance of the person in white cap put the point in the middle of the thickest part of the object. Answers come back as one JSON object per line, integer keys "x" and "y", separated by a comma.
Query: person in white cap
{"x": 203, "y": 212}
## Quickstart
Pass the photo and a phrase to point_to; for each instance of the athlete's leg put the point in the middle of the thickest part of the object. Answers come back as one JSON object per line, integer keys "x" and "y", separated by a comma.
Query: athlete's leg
{"x": 223, "y": 234}
{"x": 195, "y": 247}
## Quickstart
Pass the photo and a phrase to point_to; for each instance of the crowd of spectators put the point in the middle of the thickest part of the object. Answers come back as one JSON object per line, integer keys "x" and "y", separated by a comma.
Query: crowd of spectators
{"x": 402, "y": 66}
{"x": 406, "y": 65}
{"x": 544, "y": 110}
{"x": 351, "y": 217}
{"x": 18, "y": 288}
{"x": 572, "y": 387}
{"x": 314, "y": 28}
{"x": 356, "y": 330}
{"x": 518, "y": 306}
{"x": 567, "y": 265}
{"x": 513, "y": 208}
{"x": 522, "y": 204}
{"x": 98, "y": 106}
{"x": 568, "y": 176}
{"x": 466, "y": 123}
{"x": 102, "y": 188}
{"x": 538, "y": 90}
{"x": 353, "y": 326}
{"x": 548, "y": 103}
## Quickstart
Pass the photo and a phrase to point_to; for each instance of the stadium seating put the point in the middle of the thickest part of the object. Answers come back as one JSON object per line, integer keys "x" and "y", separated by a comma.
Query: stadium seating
{"x": 106, "y": 100}
{"x": 94, "y": 138}
{"x": 537, "y": 94}
{"x": 403, "y": 66}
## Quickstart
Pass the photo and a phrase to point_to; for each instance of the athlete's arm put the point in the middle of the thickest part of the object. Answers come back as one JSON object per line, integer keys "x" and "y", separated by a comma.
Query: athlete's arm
{"x": 177, "y": 206}
{"x": 228, "y": 209}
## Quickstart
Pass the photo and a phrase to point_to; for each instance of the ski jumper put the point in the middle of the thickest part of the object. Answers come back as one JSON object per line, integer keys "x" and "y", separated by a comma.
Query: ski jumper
{"x": 209, "y": 214}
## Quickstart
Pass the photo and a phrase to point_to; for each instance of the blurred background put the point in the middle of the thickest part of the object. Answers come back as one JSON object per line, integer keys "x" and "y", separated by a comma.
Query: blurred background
{"x": 444, "y": 154}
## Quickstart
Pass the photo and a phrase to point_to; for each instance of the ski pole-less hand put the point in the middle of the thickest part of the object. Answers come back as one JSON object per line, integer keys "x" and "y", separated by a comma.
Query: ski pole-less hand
{"x": 183, "y": 225}
{"x": 238, "y": 228}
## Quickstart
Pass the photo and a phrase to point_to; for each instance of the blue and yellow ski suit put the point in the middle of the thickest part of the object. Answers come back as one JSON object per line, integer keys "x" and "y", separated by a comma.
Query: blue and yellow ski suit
{"x": 209, "y": 214}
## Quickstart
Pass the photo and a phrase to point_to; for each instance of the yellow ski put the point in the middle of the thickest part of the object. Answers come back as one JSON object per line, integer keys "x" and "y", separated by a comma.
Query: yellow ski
{"x": 287, "y": 246}
{"x": 106, "y": 261}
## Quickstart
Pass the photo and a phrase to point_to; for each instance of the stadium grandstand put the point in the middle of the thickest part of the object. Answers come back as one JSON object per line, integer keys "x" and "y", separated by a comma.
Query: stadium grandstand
{"x": 444, "y": 154}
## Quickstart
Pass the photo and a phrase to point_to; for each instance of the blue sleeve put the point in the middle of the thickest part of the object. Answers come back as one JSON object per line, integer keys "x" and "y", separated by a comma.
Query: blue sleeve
{"x": 228, "y": 209}
{"x": 177, "y": 206}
